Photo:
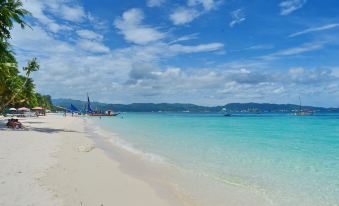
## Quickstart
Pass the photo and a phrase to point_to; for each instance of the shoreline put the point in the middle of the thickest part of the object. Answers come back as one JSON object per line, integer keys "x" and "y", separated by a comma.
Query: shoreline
{"x": 82, "y": 167}
{"x": 155, "y": 173}
{"x": 95, "y": 179}
{"x": 50, "y": 163}
{"x": 192, "y": 187}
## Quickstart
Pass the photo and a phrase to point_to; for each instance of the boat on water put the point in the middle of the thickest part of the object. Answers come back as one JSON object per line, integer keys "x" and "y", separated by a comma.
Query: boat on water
{"x": 226, "y": 114}
{"x": 303, "y": 112}
{"x": 91, "y": 112}
{"x": 103, "y": 114}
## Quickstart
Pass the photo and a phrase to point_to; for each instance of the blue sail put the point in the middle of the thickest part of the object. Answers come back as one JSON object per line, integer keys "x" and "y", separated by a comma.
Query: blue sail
{"x": 89, "y": 108}
{"x": 72, "y": 108}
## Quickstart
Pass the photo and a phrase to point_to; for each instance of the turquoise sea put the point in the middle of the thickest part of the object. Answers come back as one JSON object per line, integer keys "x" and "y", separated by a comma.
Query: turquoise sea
{"x": 291, "y": 160}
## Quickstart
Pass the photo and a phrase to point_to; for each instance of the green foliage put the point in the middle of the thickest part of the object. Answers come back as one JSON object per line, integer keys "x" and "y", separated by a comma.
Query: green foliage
{"x": 15, "y": 89}
{"x": 6, "y": 55}
{"x": 11, "y": 12}
{"x": 44, "y": 101}
{"x": 32, "y": 66}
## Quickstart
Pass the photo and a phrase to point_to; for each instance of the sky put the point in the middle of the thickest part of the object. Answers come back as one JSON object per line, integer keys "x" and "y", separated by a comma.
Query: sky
{"x": 206, "y": 52}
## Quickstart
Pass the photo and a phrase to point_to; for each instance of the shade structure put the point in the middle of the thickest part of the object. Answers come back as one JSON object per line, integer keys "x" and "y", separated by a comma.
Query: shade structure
{"x": 37, "y": 108}
{"x": 23, "y": 109}
{"x": 12, "y": 109}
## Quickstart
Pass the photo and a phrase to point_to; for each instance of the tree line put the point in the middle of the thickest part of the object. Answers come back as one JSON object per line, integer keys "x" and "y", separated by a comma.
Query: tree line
{"x": 16, "y": 88}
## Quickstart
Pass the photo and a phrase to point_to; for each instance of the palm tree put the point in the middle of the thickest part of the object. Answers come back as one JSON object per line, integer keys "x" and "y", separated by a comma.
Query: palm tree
{"x": 32, "y": 66}
{"x": 11, "y": 11}
{"x": 7, "y": 72}
{"x": 6, "y": 55}
{"x": 13, "y": 87}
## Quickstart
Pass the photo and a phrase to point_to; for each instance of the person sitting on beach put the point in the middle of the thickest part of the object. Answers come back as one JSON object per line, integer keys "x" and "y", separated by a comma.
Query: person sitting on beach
{"x": 10, "y": 123}
{"x": 14, "y": 123}
{"x": 18, "y": 124}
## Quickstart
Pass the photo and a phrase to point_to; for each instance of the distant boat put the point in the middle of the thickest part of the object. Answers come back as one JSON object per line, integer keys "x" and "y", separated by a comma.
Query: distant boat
{"x": 91, "y": 112}
{"x": 303, "y": 112}
{"x": 103, "y": 114}
{"x": 226, "y": 114}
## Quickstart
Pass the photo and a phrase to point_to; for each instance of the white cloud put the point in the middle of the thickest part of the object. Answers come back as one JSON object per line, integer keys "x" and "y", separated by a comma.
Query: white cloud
{"x": 130, "y": 25}
{"x": 65, "y": 64}
{"x": 98, "y": 23}
{"x": 72, "y": 64}
{"x": 185, "y": 38}
{"x": 194, "y": 9}
{"x": 155, "y": 3}
{"x": 315, "y": 29}
{"x": 46, "y": 11}
{"x": 238, "y": 16}
{"x": 302, "y": 49}
{"x": 37, "y": 9}
{"x": 289, "y": 6}
{"x": 141, "y": 73}
{"x": 88, "y": 34}
{"x": 214, "y": 85}
{"x": 296, "y": 50}
{"x": 257, "y": 47}
{"x": 301, "y": 75}
{"x": 35, "y": 40}
{"x": 198, "y": 48}
{"x": 132, "y": 74}
{"x": 72, "y": 13}
{"x": 93, "y": 46}
{"x": 207, "y": 4}
{"x": 183, "y": 15}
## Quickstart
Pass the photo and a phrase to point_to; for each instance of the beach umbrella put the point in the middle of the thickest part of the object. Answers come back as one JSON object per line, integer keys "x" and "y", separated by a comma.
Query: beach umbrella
{"x": 37, "y": 108}
{"x": 12, "y": 109}
{"x": 23, "y": 109}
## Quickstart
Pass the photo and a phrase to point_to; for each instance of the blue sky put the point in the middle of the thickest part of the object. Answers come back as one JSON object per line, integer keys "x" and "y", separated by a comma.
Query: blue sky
{"x": 208, "y": 52}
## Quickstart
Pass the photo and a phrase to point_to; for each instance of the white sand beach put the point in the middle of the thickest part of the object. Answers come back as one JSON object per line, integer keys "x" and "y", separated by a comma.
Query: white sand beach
{"x": 53, "y": 162}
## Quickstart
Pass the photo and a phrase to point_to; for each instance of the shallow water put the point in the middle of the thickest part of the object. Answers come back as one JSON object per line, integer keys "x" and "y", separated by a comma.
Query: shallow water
{"x": 288, "y": 159}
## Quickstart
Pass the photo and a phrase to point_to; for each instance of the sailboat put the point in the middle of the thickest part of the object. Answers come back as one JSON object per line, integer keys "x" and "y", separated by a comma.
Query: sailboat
{"x": 91, "y": 112}
{"x": 303, "y": 112}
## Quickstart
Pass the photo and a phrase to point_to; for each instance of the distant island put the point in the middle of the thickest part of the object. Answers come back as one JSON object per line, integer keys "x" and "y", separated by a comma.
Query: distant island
{"x": 177, "y": 107}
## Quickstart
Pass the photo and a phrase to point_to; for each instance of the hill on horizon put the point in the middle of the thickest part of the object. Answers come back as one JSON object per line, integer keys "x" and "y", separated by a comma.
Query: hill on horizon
{"x": 179, "y": 107}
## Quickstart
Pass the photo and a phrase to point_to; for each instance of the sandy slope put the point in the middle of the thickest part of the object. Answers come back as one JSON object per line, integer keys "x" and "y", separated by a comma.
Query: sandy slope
{"x": 24, "y": 157}
{"x": 52, "y": 163}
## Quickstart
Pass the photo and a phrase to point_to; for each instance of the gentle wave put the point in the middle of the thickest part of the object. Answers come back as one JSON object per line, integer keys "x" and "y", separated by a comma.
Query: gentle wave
{"x": 125, "y": 145}
{"x": 116, "y": 140}
{"x": 240, "y": 183}
{"x": 286, "y": 159}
